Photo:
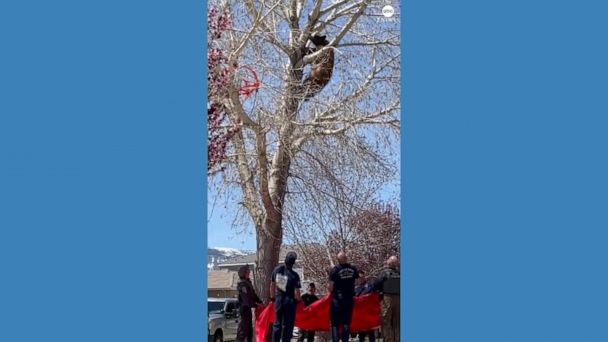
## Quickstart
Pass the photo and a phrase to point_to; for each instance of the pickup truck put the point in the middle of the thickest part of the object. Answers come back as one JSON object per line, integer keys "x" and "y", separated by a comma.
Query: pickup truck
{"x": 223, "y": 319}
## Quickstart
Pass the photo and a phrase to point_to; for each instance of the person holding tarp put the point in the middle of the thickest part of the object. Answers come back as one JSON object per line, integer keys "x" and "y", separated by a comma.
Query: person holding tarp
{"x": 308, "y": 298}
{"x": 364, "y": 288}
{"x": 388, "y": 284}
{"x": 248, "y": 300}
{"x": 342, "y": 289}
{"x": 285, "y": 289}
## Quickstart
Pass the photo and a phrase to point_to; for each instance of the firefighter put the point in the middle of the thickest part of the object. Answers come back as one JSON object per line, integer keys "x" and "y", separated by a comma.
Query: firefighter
{"x": 342, "y": 289}
{"x": 248, "y": 300}
{"x": 285, "y": 288}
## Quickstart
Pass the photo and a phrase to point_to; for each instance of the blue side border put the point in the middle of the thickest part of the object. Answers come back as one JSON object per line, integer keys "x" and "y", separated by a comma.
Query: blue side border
{"x": 204, "y": 189}
{"x": 505, "y": 171}
{"x": 102, "y": 171}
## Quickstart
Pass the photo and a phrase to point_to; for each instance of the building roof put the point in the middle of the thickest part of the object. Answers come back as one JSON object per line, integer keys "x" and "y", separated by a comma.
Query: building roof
{"x": 250, "y": 259}
{"x": 222, "y": 280}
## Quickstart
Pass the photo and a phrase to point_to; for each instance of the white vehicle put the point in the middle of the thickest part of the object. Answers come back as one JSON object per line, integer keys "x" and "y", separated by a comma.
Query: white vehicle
{"x": 223, "y": 319}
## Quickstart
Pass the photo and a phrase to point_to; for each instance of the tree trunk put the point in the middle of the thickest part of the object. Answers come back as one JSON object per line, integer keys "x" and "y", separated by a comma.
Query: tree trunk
{"x": 269, "y": 240}
{"x": 269, "y": 236}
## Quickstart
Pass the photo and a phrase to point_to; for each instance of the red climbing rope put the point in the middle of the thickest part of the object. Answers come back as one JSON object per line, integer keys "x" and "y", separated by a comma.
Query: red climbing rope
{"x": 249, "y": 84}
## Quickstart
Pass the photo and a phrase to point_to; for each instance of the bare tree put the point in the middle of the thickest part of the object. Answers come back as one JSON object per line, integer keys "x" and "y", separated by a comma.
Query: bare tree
{"x": 287, "y": 147}
{"x": 376, "y": 235}
{"x": 370, "y": 235}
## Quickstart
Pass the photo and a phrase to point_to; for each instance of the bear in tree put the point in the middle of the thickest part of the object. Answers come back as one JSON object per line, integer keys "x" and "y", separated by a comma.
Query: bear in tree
{"x": 322, "y": 67}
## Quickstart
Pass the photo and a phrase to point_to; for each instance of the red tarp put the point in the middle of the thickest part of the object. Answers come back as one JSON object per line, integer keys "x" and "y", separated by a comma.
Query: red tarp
{"x": 366, "y": 316}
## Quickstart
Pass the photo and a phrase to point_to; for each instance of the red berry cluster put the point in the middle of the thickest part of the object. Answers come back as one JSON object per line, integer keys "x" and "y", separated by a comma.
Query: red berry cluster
{"x": 219, "y": 76}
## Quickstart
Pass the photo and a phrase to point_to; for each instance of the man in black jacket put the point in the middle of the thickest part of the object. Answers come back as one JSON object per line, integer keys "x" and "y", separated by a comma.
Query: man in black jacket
{"x": 248, "y": 300}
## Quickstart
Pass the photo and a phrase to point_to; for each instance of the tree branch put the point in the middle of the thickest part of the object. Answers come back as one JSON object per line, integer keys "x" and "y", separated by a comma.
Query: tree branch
{"x": 334, "y": 6}
{"x": 372, "y": 43}
{"x": 312, "y": 20}
{"x": 246, "y": 179}
{"x": 237, "y": 107}
{"x": 263, "y": 172}
{"x": 362, "y": 6}
{"x": 259, "y": 21}
{"x": 265, "y": 29}
{"x": 336, "y": 15}
{"x": 351, "y": 22}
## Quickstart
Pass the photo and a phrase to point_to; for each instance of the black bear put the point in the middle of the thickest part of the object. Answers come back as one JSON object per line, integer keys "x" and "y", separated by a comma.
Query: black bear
{"x": 322, "y": 67}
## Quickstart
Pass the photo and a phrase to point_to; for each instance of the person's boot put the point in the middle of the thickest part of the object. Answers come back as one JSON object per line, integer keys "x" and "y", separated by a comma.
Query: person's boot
{"x": 345, "y": 333}
{"x": 335, "y": 334}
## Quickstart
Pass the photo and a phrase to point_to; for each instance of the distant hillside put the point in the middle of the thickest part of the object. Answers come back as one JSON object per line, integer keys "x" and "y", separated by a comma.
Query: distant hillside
{"x": 217, "y": 255}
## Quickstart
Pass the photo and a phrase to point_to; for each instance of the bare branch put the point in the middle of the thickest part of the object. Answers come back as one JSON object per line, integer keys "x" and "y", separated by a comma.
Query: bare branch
{"x": 335, "y": 15}
{"x": 263, "y": 172}
{"x": 372, "y": 43}
{"x": 265, "y": 29}
{"x": 236, "y": 107}
{"x": 311, "y": 57}
{"x": 246, "y": 178}
{"x": 350, "y": 23}
{"x": 258, "y": 22}
{"x": 312, "y": 20}
{"x": 335, "y": 5}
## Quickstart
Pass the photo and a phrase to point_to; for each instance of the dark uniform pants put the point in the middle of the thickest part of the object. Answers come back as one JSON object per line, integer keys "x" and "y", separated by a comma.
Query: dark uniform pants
{"x": 371, "y": 334}
{"x": 308, "y": 335}
{"x": 340, "y": 313}
{"x": 390, "y": 321}
{"x": 285, "y": 318}
{"x": 245, "y": 329}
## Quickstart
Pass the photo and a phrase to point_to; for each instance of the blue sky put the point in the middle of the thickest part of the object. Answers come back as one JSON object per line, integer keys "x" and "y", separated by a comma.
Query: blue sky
{"x": 221, "y": 234}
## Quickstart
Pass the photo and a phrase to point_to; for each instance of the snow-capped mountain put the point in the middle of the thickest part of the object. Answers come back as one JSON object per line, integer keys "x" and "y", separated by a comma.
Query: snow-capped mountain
{"x": 228, "y": 251}
{"x": 217, "y": 255}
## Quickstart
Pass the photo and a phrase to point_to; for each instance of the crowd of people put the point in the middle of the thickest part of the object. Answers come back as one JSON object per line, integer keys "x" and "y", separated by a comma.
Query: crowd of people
{"x": 344, "y": 284}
